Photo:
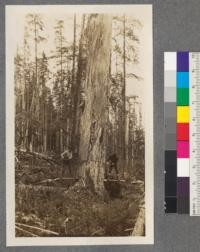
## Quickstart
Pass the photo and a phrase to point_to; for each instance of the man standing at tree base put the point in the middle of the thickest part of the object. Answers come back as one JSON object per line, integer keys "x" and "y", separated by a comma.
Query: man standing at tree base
{"x": 66, "y": 157}
{"x": 113, "y": 159}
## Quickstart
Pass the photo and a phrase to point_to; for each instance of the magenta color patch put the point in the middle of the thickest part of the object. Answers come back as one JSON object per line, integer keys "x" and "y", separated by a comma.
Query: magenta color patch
{"x": 183, "y": 149}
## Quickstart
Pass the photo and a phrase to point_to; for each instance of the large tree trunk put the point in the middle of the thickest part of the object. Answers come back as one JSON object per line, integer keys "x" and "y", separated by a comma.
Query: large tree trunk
{"x": 93, "y": 126}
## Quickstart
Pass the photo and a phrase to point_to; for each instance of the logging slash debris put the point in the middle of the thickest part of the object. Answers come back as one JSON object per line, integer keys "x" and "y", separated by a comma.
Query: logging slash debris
{"x": 75, "y": 210}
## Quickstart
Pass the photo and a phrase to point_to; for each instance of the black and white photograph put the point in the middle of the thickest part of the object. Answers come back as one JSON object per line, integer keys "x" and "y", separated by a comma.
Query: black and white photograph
{"x": 79, "y": 125}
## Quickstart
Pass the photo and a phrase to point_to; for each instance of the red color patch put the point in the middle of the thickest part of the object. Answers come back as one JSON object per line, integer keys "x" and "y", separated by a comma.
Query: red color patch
{"x": 182, "y": 131}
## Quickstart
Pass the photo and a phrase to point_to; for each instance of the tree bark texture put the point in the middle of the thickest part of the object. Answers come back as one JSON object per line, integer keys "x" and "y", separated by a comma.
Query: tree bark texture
{"x": 93, "y": 125}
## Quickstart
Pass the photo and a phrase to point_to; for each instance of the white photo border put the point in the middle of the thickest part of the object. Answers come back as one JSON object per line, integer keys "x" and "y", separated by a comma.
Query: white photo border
{"x": 11, "y": 12}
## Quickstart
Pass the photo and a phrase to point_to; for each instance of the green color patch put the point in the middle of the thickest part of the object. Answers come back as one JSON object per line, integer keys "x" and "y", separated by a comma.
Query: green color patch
{"x": 182, "y": 96}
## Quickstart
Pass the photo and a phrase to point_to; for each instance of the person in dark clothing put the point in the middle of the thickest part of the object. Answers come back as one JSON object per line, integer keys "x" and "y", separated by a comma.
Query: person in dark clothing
{"x": 113, "y": 159}
{"x": 82, "y": 101}
{"x": 66, "y": 157}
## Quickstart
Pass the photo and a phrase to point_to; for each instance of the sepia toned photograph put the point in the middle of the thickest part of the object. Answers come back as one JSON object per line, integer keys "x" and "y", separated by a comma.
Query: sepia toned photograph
{"x": 79, "y": 125}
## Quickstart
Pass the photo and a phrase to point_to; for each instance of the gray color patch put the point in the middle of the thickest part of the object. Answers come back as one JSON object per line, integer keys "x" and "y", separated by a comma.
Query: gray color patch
{"x": 170, "y": 141}
{"x": 170, "y": 94}
{"x": 170, "y": 125}
{"x": 170, "y": 78}
{"x": 170, "y": 109}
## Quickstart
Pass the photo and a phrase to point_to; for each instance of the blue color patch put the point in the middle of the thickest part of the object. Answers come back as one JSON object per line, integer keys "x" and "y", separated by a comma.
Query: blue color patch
{"x": 182, "y": 79}
{"x": 182, "y": 61}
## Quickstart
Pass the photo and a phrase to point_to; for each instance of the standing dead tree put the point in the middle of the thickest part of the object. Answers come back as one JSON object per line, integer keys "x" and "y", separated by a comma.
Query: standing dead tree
{"x": 93, "y": 125}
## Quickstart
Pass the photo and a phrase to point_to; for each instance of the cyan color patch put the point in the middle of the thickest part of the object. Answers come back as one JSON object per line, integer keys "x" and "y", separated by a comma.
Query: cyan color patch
{"x": 182, "y": 79}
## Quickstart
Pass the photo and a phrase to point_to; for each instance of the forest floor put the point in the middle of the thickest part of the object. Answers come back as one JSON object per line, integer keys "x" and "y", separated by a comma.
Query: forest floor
{"x": 49, "y": 206}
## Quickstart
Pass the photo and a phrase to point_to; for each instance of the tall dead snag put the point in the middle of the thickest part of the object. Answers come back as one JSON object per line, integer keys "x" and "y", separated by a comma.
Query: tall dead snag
{"x": 93, "y": 125}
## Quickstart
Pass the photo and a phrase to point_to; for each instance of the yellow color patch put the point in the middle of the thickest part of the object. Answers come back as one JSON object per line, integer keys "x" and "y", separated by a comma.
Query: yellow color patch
{"x": 183, "y": 115}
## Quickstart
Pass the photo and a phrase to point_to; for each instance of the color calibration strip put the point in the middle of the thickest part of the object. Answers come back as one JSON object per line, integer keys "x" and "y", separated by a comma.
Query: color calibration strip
{"x": 177, "y": 154}
{"x": 182, "y": 133}
{"x": 170, "y": 66}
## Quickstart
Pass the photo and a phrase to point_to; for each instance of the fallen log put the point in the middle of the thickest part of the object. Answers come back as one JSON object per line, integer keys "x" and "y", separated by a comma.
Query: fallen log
{"x": 25, "y": 231}
{"x": 137, "y": 182}
{"x": 128, "y": 229}
{"x": 37, "y": 229}
{"x": 115, "y": 180}
{"x": 58, "y": 179}
{"x": 139, "y": 228}
{"x": 23, "y": 187}
{"x": 57, "y": 182}
{"x": 98, "y": 232}
{"x": 39, "y": 156}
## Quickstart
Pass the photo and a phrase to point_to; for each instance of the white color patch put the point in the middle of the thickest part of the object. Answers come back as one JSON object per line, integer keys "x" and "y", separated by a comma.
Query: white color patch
{"x": 170, "y": 61}
{"x": 183, "y": 167}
